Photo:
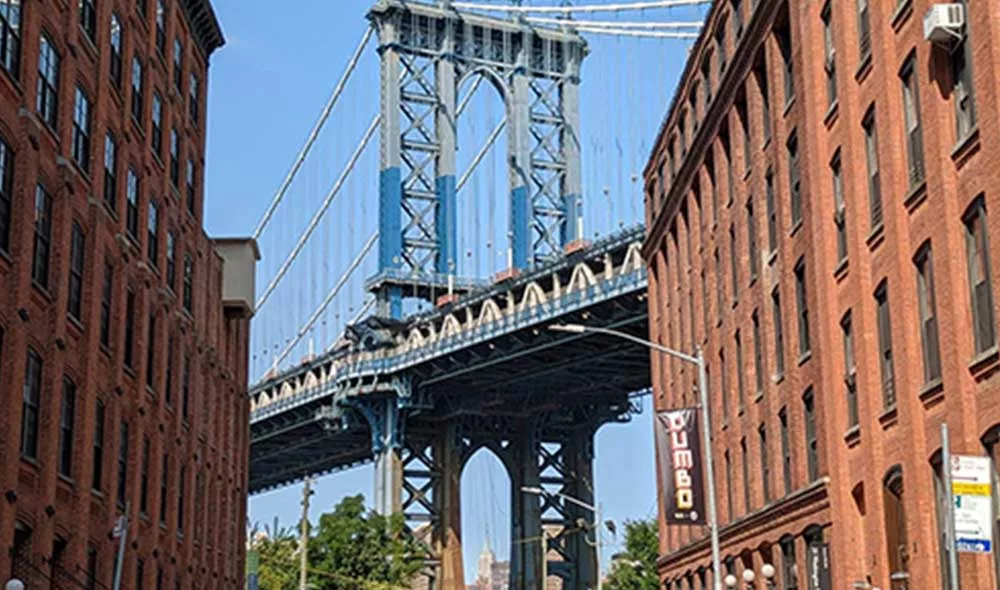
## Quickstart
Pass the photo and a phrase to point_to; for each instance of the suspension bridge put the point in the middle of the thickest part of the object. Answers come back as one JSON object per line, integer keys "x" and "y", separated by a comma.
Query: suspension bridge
{"x": 404, "y": 317}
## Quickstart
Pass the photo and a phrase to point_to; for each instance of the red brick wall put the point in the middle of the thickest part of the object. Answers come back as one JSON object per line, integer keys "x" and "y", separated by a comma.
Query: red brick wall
{"x": 855, "y": 461}
{"x": 213, "y": 440}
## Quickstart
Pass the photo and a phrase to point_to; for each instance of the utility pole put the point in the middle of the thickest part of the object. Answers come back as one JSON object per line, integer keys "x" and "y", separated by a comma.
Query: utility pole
{"x": 304, "y": 532}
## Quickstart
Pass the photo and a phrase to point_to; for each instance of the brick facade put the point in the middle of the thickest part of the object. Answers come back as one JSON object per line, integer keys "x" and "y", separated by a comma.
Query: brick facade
{"x": 189, "y": 414}
{"x": 868, "y": 489}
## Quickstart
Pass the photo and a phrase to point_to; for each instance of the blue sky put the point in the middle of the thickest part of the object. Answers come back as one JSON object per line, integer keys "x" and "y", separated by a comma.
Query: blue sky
{"x": 267, "y": 86}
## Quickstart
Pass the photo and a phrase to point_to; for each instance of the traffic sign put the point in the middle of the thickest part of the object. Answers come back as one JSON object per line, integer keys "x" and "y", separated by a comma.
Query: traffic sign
{"x": 971, "y": 488}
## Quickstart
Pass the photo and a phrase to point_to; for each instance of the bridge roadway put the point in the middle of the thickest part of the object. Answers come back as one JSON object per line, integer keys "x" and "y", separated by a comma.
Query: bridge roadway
{"x": 421, "y": 395}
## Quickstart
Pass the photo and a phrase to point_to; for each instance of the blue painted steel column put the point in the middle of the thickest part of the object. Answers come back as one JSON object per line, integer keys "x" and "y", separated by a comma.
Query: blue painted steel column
{"x": 388, "y": 468}
{"x": 572, "y": 187}
{"x": 390, "y": 242}
{"x": 446, "y": 218}
{"x": 519, "y": 119}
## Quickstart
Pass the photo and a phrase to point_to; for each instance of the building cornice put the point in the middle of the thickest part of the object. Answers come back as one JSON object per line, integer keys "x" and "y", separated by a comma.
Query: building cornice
{"x": 813, "y": 497}
{"x": 204, "y": 25}
{"x": 703, "y": 140}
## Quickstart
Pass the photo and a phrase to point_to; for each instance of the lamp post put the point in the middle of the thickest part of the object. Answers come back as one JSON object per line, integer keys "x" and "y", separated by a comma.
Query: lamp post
{"x": 14, "y": 584}
{"x": 749, "y": 576}
{"x": 697, "y": 360}
{"x": 597, "y": 529}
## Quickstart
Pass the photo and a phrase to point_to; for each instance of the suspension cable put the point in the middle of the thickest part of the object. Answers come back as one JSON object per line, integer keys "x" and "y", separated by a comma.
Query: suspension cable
{"x": 313, "y": 135}
{"x": 614, "y": 24}
{"x": 320, "y": 212}
{"x": 586, "y": 8}
{"x": 640, "y": 34}
{"x": 482, "y": 153}
{"x": 329, "y": 298}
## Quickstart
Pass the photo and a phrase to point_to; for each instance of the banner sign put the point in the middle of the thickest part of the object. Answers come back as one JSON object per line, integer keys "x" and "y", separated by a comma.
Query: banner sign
{"x": 819, "y": 567}
{"x": 679, "y": 453}
{"x": 971, "y": 488}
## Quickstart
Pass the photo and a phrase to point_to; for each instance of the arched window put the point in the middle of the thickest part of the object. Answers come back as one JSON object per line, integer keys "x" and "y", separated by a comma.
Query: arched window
{"x": 895, "y": 527}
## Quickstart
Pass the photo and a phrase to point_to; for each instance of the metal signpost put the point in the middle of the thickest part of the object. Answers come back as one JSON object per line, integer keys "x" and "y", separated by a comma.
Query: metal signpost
{"x": 968, "y": 482}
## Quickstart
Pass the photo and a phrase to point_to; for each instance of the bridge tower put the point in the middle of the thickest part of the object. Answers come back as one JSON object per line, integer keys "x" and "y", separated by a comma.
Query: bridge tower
{"x": 427, "y": 51}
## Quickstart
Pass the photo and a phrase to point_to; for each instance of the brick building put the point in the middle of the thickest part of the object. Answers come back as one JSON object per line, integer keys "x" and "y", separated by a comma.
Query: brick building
{"x": 820, "y": 203}
{"x": 123, "y": 327}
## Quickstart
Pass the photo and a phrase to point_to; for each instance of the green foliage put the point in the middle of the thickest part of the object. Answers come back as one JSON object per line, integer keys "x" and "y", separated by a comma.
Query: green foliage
{"x": 636, "y": 566}
{"x": 351, "y": 548}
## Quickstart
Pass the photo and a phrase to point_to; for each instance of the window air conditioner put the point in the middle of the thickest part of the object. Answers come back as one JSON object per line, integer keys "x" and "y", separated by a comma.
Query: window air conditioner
{"x": 943, "y": 22}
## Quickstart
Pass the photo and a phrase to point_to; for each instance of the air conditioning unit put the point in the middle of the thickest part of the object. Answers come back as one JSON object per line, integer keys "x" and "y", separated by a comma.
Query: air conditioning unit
{"x": 944, "y": 22}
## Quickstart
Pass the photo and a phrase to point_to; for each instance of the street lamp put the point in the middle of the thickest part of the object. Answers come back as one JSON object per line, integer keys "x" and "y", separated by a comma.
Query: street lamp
{"x": 767, "y": 570}
{"x": 706, "y": 428}
{"x": 537, "y": 491}
{"x": 14, "y": 584}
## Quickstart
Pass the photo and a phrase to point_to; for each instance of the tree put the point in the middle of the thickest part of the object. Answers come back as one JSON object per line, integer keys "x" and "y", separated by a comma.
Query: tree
{"x": 351, "y": 548}
{"x": 635, "y": 568}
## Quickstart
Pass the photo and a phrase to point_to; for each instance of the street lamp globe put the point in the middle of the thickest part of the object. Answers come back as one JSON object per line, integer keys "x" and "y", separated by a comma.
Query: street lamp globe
{"x": 14, "y": 584}
{"x": 767, "y": 570}
{"x": 749, "y": 576}
{"x": 730, "y": 581}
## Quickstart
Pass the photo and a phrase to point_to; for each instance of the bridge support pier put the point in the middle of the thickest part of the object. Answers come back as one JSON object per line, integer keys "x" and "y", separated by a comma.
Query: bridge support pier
{"x": 388, "y": 470}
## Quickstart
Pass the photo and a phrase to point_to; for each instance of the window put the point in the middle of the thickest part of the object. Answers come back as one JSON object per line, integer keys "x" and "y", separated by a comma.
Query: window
{"x": 10, "y": 37}
{"x": 48, "y": 82}
{"x": 169, "y": 387}
{"x": 789, "y": 568}
{"x": 746, "y": 475}
{"x": 786, "y": 452}
{"x": 77, "y": 249}
{"x": 67, "y": 409}
{"x": 43, "y": 237}
{"x": 885, "y": 346}
{"x": 760, "y": 74}
{"x": 752, "y": 242}
{"x": 772, "y": 214}
{"x": 98, "y": 448}
{"x": 839, "y": 208}
{"x": 171, "y": 260}
{"x": 737, "y": 17}
{"x": 802, "y": 303}
{"x": 193, "y": 98}
{"x": 911, "y": 117}
{"x": 88, "y": 18}
{"x": 140, "y": 8}
{"x": 730, "y": 175}
{"x": 190, "y": 186}
{"x": 122, "y": 464}
{"x": 961, "y": 74}
{"x": 115, "y": 68}
{"x": 723, "y": 373}
{"x": 850, "y": 370}
{"x": 765, "y": 463}
{"x": 779, "y": 337}
{"x": 744, "y": 116}
{"x": 705, "y": 311}
{"x": 110, "y": 172}
{"x": 178, "y": 64}
{"x": 729, "y": 485}
{"x": 928, "y": 318}
{"x": 720, "y": 48}
{"x": 871, "y": 153}
{"x": 31, "y": 393}
{"x": 140, "y": 573}
{"x": 864, "y": 31}
{"x": 740, "y": 393}
{"x": 153, "y": 233}
{"x": 163, "y": 488}
{"x": 188, "y": 279}
{"x": 157, "y": 143}
{"x": 129, "y": 329}
{"x": 151, "y": 352}
{"x": 175, "y": 166}
{"x": 161, "y": 33}
{"x": 830, "y": 54}
{"x": 895, "y": 526}
{"x": 794, "y": 179}
{"x": 733, "y": 263}
{"x": 758, "y": 354}
{"x": 706, "y": 80}
{"x": 6, "y": 187}
{"x": 91, "y": 570}
{"x": 682, "y": 132}
{"x": 977, "y": 248}
{"x": 812, "y": 454}
{"x": 784, "y": 38}
{"x": 132, "y": 205}
{"x": 180, "y": 499}
{"x": 185, "y": 386}
{"x": 137, "y": 90}
{"x": 106, "y": 288}
{"x": 144, "y": 478}
{"x": 159, "y": 578}
{"x": 720, "y": 286}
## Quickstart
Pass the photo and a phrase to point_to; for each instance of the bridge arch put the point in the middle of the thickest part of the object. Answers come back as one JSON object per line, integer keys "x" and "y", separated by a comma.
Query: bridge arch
{"x": 485, "y": 512}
